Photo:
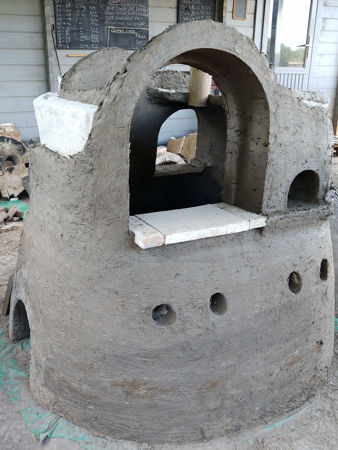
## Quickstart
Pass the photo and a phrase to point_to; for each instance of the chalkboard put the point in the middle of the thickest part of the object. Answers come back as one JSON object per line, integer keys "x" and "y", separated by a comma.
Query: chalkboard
{"x": 93, "y": 24}
{"x": 189, "y": 10}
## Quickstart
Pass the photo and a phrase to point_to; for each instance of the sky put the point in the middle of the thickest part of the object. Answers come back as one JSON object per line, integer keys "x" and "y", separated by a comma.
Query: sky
{"x": 295, "y": 22}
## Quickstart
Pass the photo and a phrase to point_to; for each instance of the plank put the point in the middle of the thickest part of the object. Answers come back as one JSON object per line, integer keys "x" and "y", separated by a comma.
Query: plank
{"x": 328, "y": 36}
{"x": 29, "y": 8}
{"x": 20, "y": 23}
{"x": 201, "y": 222}
{"x": 22, "y": 88}
{"x": 327, "y": 60}
{"x": 327, "y": 48}
{"x": 330, "y": 3}
{"x": 325, "y": 72}
{"x": 21, "y": 40}
{"x": 330, "y": 24}
{"x": 324, "y": 83}
{"x": 330, "y": 12}
{"x": 163, "y": 4}
{"x": 20, "y": 119}
{"x": 13, "y": 104}
{"x": 156, "y": 28}
{"x": 167, "y": 15}
{"x": 22, "y": 57}
{"x": 144, "y": 235}
{"x": 29, "y": 133}
{"x": 22, "y": 73}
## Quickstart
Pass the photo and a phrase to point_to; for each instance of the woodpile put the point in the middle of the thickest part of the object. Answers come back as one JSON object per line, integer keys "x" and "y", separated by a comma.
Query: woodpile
{"x": 8, "y": 129}
{"x": 184, "y": 146}
{"x": 13, "y": 162}
{"x": 10, "y": 215}
{"x": 178, "y": 151}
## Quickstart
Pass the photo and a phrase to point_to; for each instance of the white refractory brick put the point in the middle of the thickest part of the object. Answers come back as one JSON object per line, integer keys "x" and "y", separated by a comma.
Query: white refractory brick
{"x": 64, "y": 125}
{"x": 255, "y": 220}
{"x": 181, "y": 225}
{"x": 145, "y": 236}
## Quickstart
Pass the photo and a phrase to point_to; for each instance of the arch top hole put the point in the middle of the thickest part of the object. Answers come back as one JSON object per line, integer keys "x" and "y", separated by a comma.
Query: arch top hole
{"x": 295, "y": 282}
{"x": 163, "y": 315}
{"x": 324, "y": 269}
{"x": 21, "y": 329}
{"x": 304, "y": 189}
{"x": 218, "y": 304}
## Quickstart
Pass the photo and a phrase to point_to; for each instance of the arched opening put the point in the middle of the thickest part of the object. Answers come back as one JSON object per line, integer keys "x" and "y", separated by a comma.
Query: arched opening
{"x": 20, "y": 324}
{"x": 304, "y": 189}
{"x": 232, "y": 140}
{"x": 177, "y": 140}
{"x": 177, "y": 125}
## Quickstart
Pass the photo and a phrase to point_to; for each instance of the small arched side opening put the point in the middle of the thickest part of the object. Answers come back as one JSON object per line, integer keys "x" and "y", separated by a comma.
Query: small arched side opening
{"x": 304, "y": 189}
{"x": 20, "y": 323}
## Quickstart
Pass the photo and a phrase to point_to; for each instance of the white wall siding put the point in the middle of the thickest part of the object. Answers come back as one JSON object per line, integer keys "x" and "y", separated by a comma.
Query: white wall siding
{"x": 161, "y": 15}
{"x": 23, "y": 66}
{"x": 244, "y": 26}
{"x": 324, "y": 64}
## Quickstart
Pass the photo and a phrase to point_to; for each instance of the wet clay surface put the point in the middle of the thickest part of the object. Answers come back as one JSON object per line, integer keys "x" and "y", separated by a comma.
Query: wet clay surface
{"x": 98, "y": 357}
{"x": 315, "y": 426}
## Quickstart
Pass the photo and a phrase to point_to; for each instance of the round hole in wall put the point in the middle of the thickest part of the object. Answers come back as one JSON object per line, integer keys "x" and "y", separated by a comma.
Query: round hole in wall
{"x": 295, "y": 282}
{"x": 324, "y": 269}
{"x": 218, "y": 304}
{"x": 163, "y": 315}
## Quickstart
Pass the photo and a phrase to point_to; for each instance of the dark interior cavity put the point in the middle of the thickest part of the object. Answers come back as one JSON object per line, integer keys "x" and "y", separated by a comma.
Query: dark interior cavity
{"x": 163, "y": 315}
{"x": 21, "y": 328}
{"x": 304, "y": 189}
{"x": 324, "y": 269}
{"x": 230, "y": 127}
{"x": 218, "y": 304}
{"x": 295, "y": 282}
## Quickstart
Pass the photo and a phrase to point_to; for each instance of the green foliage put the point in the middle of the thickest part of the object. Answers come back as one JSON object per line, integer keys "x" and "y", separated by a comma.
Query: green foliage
{"x": 289, "y": 57}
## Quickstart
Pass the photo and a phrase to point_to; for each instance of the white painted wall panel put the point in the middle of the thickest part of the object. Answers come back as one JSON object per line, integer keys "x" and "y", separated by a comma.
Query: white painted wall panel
{"x": 324, "y": 64}
{"x": 19, "y": 22}
{"x": 23, "y": 89}
{"x": 21, "y": 7}
{"x": 23, "y": 66}
{"x": 246, "y": 26}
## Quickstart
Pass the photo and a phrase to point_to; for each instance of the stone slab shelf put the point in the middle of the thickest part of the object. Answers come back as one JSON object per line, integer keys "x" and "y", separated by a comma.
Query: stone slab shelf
{"x": 183, "y": 225}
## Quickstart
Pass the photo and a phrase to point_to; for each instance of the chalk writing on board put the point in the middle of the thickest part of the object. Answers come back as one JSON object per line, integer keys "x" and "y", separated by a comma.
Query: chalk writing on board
{"x": 128, "y": 38}
{"x": 189, "y": 10}
{"x": 93, "y": 24}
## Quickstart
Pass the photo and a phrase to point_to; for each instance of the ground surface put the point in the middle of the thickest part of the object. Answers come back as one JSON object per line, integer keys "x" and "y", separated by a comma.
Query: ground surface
{"x": 314, "y": 427}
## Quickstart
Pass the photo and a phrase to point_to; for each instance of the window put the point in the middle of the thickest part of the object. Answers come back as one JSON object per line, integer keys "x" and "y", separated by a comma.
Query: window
{"x": 288, "y": 40}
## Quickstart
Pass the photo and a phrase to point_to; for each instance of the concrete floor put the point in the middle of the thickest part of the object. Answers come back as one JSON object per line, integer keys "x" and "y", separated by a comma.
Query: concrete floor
{"x": 314, "y": 426}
